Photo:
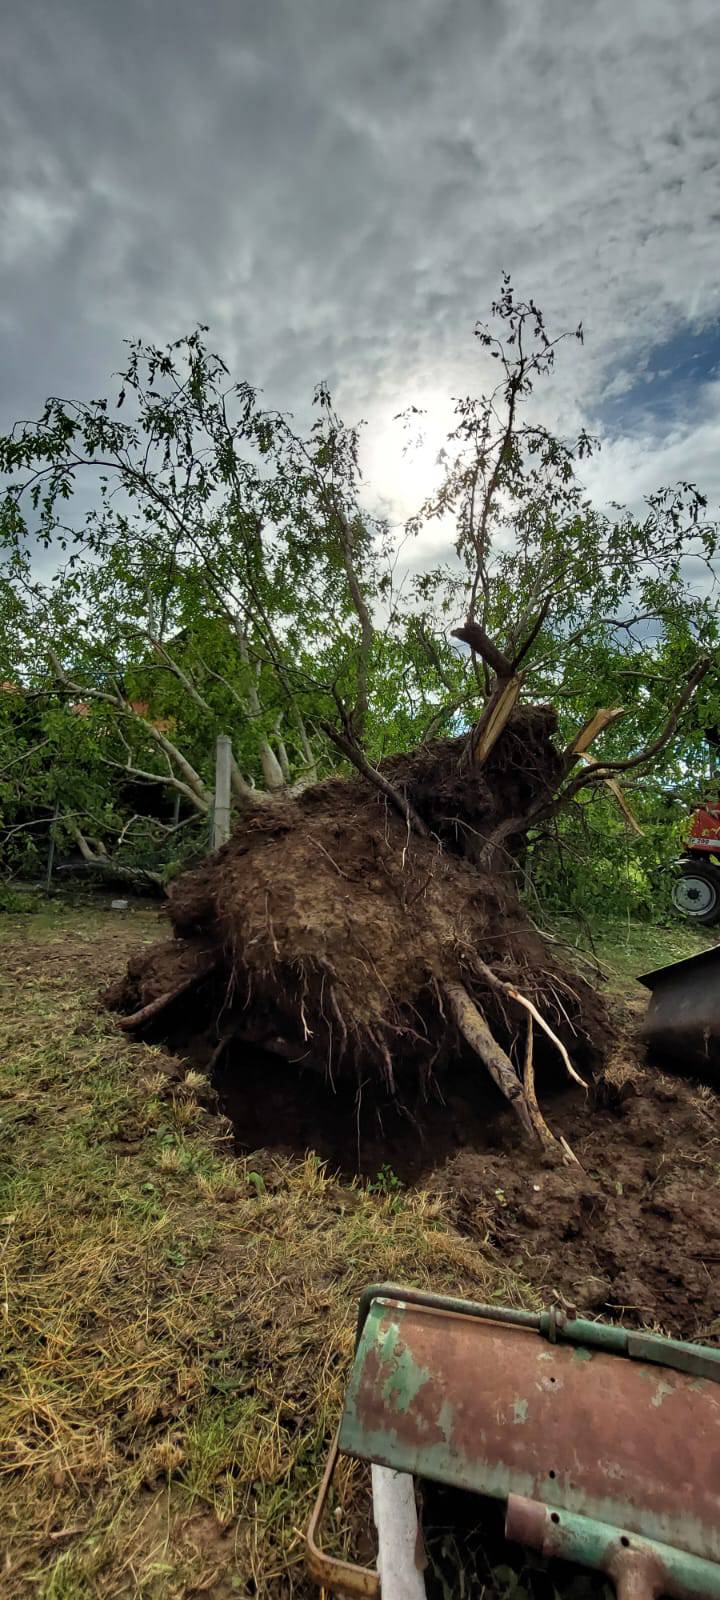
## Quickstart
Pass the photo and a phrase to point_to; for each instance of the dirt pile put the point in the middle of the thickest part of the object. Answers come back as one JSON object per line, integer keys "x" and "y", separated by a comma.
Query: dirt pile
{"x": 329, "y": 933}
{"x": 634, "y": 1233}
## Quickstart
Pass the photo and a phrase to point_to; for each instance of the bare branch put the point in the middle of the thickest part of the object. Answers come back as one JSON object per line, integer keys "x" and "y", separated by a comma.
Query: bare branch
{"x": 528, "y": 643}
{"x": 193, "y": 781}
{"x": 362, "y": 765}
{"x": 24, "y": 756}
{"x": 167, "y": 779}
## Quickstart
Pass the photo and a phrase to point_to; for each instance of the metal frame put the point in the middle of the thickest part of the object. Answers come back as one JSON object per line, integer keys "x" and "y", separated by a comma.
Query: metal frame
{"x": 641, "y": 1569}
{"x": 632, "y": 1563}
{"x": 343, "y": 1577}
{"x": 559, "y": 1326}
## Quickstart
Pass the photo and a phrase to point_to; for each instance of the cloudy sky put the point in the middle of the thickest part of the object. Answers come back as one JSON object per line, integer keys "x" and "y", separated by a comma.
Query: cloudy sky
{"x": 335, "y": 187}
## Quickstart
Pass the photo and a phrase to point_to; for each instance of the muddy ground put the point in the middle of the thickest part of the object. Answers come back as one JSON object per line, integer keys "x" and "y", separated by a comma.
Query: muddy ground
{"x": 633, "y": 1233}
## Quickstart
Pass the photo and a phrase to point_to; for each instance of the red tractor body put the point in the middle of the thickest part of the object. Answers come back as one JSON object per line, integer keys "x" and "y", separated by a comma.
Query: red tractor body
{"x": 704, "y": 834}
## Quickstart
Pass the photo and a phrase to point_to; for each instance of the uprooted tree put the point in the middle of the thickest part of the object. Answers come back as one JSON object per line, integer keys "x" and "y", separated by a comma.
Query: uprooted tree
{"x": 393, "y": 745}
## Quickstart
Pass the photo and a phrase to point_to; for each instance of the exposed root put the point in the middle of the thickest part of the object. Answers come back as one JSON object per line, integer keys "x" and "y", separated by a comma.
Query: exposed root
{"x": 340, "y": 1020}
{"x": 339, "y": 932}
{"x": 138, "y": 1019}
{"x": 473, "y": 1027}
{"x": 522, "y": 1000}
{"x": 541, "y": 1128}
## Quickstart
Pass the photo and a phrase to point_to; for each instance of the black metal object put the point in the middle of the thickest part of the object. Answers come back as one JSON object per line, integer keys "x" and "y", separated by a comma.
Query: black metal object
{"x": 682, "y": 1025}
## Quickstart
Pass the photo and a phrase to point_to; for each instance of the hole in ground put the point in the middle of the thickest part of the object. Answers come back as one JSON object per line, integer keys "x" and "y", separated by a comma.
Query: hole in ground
{"x": 286, "y": 1107}
{"x": 636, "y": 1222}
{"x": 276, "y": 1105}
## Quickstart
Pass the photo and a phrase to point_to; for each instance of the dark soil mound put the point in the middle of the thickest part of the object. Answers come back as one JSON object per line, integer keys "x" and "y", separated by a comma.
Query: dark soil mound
{"x": 329, "y": 933}
{"x": 635, "y": 1234}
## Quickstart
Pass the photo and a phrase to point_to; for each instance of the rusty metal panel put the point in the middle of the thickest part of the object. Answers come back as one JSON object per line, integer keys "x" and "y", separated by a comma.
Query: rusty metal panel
{"x": 496, "y": 1409}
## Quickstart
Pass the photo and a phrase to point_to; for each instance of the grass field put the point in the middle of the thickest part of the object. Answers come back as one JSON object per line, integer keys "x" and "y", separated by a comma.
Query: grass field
{"x": 177, "y": 1323}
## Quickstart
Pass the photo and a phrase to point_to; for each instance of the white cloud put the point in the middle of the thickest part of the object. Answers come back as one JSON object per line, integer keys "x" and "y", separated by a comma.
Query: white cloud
{"x": 336, "y": 190}
{"x": 632, "y": 466}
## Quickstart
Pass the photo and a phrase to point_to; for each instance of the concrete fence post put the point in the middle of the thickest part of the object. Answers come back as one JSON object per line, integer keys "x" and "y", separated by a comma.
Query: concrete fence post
{"x": 221, "y": 808}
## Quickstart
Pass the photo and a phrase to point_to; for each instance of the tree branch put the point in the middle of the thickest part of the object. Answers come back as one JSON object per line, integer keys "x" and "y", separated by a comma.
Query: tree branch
{"x": 192, "y": 778}
{"x": 24, "y": 756}
{"x": 600, "y": 769}
{"x": 358, "y": 760}
{"x": 168, "y": 779}
{"x": 532, "y": 636}
{"x": 479, "y": 641}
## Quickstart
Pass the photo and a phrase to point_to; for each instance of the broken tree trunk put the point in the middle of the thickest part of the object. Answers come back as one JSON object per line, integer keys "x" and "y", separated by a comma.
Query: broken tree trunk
{"x": 496, "y": 715}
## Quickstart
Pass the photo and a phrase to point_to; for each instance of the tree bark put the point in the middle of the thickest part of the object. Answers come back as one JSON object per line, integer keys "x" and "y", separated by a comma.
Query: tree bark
{"x": 271, "y": 768}
{"x": 473, "y": 1027}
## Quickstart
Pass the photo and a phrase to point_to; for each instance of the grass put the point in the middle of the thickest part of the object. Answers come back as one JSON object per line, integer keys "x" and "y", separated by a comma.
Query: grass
{"x": 177, "y": 1322}
{"x": 625, "y": 948}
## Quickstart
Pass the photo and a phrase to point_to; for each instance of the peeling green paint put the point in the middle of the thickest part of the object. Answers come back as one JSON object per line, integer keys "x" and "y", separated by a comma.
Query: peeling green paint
{"x": 661, "y": 1391}
{"x": 446, "y": 1419}
{"x": 591, "y": 1543}
{"x": 404, "y": 1382}
{"x": 388, "y": 1341}
{"x": 402, "y": 1413}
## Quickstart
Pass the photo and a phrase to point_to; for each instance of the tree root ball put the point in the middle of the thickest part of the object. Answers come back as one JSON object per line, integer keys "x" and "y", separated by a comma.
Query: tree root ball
{"x": 331, "y": 933}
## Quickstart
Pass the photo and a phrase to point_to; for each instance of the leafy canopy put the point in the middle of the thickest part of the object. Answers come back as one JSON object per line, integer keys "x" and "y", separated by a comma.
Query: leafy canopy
{"x": 215, "y": 567}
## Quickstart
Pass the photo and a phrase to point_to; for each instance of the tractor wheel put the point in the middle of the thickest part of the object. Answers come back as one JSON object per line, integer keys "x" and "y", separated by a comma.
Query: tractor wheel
{"x": 696, "y": 894}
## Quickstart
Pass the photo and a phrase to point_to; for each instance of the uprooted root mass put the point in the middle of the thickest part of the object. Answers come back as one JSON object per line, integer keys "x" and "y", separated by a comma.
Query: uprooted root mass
{"x": 328, "y": 932}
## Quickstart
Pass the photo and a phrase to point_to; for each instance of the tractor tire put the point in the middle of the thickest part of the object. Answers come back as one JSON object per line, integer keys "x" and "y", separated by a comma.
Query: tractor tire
{"x": 696, "y": 894}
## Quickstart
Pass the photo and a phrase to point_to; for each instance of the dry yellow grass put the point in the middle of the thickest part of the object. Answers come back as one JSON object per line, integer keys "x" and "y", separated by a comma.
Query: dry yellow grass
{"x": 177, "y": 1331}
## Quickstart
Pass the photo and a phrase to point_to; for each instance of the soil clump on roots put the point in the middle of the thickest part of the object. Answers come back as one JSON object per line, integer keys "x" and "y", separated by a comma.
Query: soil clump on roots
{"x": 331, "y": 935}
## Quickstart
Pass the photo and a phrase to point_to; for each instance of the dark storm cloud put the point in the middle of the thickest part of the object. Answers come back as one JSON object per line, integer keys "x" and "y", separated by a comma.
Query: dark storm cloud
{"x": 335, "y": 186}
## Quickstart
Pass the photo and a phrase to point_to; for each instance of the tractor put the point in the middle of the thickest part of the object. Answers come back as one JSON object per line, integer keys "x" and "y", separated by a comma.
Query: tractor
{"x": 696, "y": 890}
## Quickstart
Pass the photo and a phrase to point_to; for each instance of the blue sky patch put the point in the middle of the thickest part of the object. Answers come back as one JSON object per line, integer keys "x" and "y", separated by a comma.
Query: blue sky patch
{"x": 664, "y": 386}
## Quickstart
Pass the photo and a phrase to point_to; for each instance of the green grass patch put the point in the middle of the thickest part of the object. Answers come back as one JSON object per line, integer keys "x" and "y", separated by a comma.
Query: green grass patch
{"x": 177, "y": 1323}
{"x": 626, "y": 949}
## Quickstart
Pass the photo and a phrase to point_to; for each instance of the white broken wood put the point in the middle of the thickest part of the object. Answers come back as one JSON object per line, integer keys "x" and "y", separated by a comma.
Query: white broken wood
{"x": 589, "y": 733}
{"x": 401, "y": 1558}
